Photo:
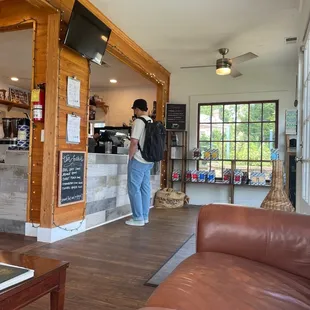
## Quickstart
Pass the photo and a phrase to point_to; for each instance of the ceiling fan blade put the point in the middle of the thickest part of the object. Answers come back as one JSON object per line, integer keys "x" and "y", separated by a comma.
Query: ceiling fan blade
{"x": 197, "y": 67}
{"x": 235, "y": 73}
{"x": 243, "y": 58}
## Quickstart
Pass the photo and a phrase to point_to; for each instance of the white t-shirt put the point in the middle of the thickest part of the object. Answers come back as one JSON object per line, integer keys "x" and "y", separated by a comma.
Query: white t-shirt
{"x": 138, "y": 132}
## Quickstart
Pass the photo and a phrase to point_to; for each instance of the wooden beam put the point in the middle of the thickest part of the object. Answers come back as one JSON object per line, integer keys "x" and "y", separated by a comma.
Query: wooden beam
{"x": 43, "y": 5}
{"x": 23, "y": 26}
{"x": 49, "y": 175}
{"x": 120, "y": 45}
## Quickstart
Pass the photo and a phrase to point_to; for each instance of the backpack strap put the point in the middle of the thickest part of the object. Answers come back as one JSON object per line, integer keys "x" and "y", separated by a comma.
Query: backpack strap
{"x": 145, "y": 123}
{"x": 144, "y": 120}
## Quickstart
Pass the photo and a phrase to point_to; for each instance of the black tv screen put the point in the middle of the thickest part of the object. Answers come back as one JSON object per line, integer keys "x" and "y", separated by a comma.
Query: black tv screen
{"x": 87, "y": 34}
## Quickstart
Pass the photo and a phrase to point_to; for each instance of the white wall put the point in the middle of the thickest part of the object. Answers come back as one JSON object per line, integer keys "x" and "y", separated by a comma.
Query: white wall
{"x": 120, "y": 101}
{"x": 204, "y": 86}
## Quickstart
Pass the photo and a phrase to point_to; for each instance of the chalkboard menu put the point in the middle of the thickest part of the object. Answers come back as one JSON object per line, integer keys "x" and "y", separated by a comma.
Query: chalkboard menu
{"x": 176, "y": 116}
{"x": 71, "y": 177}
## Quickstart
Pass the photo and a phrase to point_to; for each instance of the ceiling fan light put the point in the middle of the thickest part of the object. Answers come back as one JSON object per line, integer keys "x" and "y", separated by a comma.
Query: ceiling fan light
{"x": 223, "y": 66}
{"x": 223, "y": 71}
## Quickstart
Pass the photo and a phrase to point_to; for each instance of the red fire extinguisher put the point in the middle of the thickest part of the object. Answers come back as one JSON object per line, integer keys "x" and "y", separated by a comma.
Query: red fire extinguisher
{"x": 38, "y": 102}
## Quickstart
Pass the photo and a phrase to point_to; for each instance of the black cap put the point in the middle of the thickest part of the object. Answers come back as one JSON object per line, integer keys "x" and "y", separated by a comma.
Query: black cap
{"x": 140, "y": 104}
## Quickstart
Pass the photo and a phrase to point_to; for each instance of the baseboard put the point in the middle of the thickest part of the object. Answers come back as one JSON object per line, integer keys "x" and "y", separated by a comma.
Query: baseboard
{"x": 50, "y": 235}
{"x": 31, "y": 230}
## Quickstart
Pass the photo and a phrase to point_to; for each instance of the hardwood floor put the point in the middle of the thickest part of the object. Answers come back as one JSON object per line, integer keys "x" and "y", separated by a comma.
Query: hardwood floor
{"x": 12, "y": 242}
{"x": 110, "y": 264}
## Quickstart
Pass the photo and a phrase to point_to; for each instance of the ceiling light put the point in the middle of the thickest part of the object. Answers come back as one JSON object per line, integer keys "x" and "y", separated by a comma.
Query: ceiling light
{"x": 113, "y": 81}
{"x": 104, "y": 38}
{"x": 223, "y": 71}
{"x": 15, "y": 79}
{"x": 223, "y": 66}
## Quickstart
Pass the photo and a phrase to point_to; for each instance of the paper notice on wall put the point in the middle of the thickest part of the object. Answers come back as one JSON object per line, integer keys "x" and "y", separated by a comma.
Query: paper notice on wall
{"x": 73, "y": 92}
{"x": 73, "y": 129}
{"x": 291, "y": 122}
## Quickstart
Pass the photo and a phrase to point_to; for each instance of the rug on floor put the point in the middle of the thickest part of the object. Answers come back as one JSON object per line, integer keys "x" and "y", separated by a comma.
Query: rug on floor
{"x": 187, "y": 249}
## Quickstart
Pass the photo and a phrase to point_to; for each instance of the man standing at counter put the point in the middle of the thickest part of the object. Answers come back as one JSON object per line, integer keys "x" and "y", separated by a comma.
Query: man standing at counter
{"x": 139, "y": 170}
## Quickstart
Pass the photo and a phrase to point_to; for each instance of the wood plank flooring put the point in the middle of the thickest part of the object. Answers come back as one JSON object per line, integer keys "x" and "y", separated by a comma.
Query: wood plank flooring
{"x": 110, "y": 264}
{"x": 12, "y": 242}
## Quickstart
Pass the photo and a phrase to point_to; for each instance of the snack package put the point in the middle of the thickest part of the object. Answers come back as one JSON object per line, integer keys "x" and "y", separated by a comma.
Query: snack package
{"x": 196, "y": 154}
{"x": 245, "y": 178}
{"x": 261, "y": 179}
{"x": 226, "y": 176}
{"x": 258, "y": 179}
{"x": 238, "y": 174}
{"x": 176, "y": 175}
{"x": 201, "y": 176}
{"x": 207, "y": 154}
{"x": 194, "y": 176}
{"x": 254, "y": 178}
{"x": 188, "y": 176}
{"x": 214, "y": 154}
{"x": 275, "y": 154}
{"x": 211, "y": 176}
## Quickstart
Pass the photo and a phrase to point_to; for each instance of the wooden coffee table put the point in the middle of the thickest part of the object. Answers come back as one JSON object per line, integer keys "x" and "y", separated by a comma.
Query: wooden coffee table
{"x": 49, "y": 277}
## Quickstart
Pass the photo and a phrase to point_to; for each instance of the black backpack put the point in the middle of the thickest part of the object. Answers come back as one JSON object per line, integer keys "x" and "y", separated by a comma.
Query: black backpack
{"x": 154, "y": 143}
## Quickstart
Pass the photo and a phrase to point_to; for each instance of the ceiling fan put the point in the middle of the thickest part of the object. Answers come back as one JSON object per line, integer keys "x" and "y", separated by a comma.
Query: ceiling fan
{"x": 226, "y": 66}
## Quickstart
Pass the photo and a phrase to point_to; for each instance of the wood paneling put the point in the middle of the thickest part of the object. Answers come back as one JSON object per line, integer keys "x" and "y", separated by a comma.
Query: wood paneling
{"x": 51, "y": 122}
{"x": 54, "y": 71}
{"x": 71, "y": 64}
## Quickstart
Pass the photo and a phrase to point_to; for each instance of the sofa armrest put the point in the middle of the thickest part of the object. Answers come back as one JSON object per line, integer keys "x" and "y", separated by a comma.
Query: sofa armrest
{"x": 279, "y": 239}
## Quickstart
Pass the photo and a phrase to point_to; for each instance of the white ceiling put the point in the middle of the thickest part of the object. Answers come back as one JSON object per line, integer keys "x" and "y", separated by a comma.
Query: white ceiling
{"x": 115, "y": 69}
{"x": 182, "y": 33}
{"x": 16, "y": 60}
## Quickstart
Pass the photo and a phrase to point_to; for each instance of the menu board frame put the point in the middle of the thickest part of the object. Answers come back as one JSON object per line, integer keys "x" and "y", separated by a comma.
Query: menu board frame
{"x": 60, "y": 179}
{"x": 181, "y": 126}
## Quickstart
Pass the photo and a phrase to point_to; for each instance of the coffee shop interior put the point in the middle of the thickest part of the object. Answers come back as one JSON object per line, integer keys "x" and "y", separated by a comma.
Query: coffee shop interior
{"x": 113, "y": 88}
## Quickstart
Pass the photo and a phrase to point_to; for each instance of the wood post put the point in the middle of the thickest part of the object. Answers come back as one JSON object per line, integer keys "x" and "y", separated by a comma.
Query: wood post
{"x": 49, "y": 174}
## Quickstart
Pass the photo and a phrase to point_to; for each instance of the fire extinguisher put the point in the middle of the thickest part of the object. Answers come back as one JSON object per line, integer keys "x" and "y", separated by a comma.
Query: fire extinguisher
{"x": 38, "y": 102}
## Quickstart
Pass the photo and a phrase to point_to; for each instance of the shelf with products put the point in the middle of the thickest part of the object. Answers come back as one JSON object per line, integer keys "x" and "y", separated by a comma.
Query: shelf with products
{"x": 176, "y": 147}
{"x": 11, "y": 104}
{"x": 178, "y": 164}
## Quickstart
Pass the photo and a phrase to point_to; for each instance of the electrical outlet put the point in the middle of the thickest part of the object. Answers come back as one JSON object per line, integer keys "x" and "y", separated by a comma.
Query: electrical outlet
{"x": 42, "y": 135}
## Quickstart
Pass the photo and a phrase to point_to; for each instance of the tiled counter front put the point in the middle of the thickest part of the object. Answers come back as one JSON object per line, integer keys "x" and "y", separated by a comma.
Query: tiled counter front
{"x": 13, "y": 192}
{"x": 107, "y": 196}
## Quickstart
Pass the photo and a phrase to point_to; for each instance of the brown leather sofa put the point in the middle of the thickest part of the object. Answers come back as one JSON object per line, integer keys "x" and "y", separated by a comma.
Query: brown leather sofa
{"x": 246, "y": 259}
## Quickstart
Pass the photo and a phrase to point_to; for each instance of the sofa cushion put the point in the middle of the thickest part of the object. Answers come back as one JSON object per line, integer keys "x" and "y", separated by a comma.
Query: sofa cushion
{"x": 221, "y": 281}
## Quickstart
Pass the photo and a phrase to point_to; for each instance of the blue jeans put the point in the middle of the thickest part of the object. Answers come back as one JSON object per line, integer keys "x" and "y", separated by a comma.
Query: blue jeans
{"x": 139, "y": 189}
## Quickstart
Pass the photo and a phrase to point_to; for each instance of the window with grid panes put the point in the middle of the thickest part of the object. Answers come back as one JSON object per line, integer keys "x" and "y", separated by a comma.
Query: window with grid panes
{"x": 241, "y": 131}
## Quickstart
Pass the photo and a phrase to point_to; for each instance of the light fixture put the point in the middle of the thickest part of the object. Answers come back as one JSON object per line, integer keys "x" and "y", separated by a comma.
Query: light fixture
{"x": 104, "y": 38}
{"x": 15, "y": 79}
{"x": 113, "y": 81}
{"x": 223, "y": 71}
{"x": 223, "y": 66}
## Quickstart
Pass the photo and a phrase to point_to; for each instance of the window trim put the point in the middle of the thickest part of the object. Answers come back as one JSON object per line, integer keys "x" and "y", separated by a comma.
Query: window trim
{"x": 276, "y": 141}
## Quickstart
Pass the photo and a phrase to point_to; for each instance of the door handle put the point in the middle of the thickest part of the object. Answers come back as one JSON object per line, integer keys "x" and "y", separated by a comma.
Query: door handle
{"x": 298, "y": 159}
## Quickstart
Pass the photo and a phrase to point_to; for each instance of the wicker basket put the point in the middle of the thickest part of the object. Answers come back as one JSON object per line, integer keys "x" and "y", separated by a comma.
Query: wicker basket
{"x": 277, "y": 198}
{"x": 168, "y": 198}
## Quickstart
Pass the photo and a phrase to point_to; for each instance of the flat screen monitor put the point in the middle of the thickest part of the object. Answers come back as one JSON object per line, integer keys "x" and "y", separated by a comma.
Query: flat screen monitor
{"x": 87, "y": 34}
